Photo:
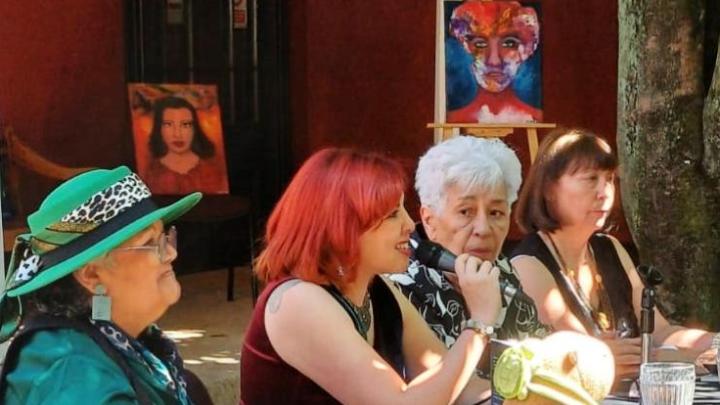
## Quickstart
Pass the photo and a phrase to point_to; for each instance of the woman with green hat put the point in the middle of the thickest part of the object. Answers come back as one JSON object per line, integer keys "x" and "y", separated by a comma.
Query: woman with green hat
{"x": 84, "y": 289}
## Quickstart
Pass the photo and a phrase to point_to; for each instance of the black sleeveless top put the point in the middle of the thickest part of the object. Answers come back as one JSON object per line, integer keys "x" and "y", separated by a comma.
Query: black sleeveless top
{"x": 615, "y": 282}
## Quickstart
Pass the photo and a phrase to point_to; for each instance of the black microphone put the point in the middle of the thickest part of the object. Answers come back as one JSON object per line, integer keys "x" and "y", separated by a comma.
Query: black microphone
{"x": 434, "y": 255}
{"x": 651, "y": 277}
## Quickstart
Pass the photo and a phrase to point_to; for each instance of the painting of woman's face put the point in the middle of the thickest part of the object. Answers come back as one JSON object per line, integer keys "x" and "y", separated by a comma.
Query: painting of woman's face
{"x": 177, "y": 130}
{"x": 499, "y": 36}
{"x": 178, "y": 137}
{"x": 492, "y": 61}
{"x": 495, "y": 60}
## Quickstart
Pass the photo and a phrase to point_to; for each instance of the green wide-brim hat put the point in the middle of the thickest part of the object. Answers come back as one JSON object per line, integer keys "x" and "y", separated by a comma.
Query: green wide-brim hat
{"x": 82, "y": 219}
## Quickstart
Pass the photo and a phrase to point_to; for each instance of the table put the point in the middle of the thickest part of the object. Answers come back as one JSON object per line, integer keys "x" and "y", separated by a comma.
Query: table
{"x": 707, "y": 391}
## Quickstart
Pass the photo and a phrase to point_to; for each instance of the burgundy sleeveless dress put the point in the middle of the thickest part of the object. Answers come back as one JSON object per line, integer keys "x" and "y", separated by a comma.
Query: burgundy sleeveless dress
{"x": 265, "y": 378}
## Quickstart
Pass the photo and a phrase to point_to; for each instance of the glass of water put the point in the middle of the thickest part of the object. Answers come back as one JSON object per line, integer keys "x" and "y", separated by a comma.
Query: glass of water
{"x": 665, "y": 383}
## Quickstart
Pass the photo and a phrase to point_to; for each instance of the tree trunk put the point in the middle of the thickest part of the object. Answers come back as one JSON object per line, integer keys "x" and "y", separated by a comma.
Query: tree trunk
{"x": 668, "y": 181}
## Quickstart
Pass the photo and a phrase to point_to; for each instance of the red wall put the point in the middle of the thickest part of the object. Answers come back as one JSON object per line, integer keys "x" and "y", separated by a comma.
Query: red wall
{"x": 362, "y": 74}
{"x": 62, "y": 83}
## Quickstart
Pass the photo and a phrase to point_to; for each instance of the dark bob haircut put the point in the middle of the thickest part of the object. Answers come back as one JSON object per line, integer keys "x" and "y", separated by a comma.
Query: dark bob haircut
{"x": 200, "y": 144}
{"x": 562, "y": 151}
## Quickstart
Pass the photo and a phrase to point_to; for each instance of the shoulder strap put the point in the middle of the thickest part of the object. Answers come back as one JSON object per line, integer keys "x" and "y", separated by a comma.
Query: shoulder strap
{"x": 351, "y": 312}
{"x": 388, "y": 322}
{"x": 45, "y": 322}
{"x": 388, "y": 326}
{"x": 533, "y": 245}
{"x": 619, "y": 292}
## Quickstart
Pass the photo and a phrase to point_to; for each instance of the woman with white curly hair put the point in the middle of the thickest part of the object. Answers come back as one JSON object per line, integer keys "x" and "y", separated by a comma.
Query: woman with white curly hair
{"x": 466, "y": 187}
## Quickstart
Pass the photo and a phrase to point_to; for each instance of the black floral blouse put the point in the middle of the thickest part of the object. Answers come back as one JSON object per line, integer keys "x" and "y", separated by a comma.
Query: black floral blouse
{"x": 444, "y": 310}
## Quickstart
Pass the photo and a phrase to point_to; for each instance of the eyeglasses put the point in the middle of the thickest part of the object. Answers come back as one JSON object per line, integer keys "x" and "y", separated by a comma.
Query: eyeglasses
{"x": 168, "y": 238}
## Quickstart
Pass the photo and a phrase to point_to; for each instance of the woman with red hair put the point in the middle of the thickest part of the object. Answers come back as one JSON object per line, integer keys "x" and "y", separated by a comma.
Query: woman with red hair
{"x": 327, "y": 327}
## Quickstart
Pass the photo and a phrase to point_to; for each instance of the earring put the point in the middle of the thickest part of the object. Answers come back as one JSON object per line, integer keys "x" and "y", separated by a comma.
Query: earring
{"x": 341, "y": 271}
{"x": 101, "y": 304}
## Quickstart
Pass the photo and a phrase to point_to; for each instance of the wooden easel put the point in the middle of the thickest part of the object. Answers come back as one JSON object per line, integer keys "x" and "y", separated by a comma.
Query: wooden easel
{"x": 446, "y": 131}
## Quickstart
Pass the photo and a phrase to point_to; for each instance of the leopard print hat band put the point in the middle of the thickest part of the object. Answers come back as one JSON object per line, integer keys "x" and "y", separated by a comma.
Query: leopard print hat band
{"x": 106, "y": 204}
{"x": 95, "y": 211}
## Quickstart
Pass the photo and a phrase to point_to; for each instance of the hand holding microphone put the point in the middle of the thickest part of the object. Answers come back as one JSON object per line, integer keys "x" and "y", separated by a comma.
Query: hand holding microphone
{"x": 478, "y": 279}
{"x": 434, "y": 255}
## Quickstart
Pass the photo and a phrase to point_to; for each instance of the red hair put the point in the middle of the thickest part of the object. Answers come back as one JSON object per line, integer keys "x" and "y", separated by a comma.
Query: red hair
{"x": 335, "y": 197}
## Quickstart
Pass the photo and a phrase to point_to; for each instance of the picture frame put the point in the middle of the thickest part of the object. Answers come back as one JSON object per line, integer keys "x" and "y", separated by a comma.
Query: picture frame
{"x": 178, "y": 137}
{"x": 488, "y": 62}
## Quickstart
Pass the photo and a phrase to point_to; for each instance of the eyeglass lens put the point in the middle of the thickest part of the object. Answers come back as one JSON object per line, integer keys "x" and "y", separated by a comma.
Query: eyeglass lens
{"x": 168, "y": 239}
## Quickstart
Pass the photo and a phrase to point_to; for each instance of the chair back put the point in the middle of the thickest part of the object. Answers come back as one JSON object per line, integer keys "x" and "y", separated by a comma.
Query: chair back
{"x": 16, "y": 156}
{"x": 10, "y": 177}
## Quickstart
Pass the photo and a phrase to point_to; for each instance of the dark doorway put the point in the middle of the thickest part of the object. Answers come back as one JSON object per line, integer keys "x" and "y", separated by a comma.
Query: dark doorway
{"x": 240, "y": 46}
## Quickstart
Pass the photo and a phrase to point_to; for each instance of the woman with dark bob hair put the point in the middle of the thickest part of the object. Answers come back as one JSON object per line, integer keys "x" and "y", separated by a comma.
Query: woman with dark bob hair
{"x": 580, "y": 278}
{"x": 85, "y": 288}
{"x": 181, "y": 151}
{"x": 328, "y": 328}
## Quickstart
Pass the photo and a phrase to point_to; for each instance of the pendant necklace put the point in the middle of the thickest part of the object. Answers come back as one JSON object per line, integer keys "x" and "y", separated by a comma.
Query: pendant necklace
{"x": 362, "y": 313}
{"x": 600, "y": 317}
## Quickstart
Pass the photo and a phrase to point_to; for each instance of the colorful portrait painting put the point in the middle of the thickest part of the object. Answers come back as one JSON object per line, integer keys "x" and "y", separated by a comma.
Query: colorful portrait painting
{"x": 178, "y": 138}
{"x": 492, "y": 62}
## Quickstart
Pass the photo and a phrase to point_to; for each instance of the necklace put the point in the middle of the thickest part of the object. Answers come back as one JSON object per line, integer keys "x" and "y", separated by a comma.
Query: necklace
{"x": 565, "y": 269}
{"x": 362, "y": 315}
{"x": 600, "y": 317}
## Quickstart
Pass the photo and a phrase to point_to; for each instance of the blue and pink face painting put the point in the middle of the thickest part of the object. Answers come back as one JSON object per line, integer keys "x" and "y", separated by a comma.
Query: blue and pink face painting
{"x": 495, "y": 39}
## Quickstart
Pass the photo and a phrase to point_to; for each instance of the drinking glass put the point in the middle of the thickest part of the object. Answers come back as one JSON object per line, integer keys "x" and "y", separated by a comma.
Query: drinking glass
{"x": 666, "y": 383}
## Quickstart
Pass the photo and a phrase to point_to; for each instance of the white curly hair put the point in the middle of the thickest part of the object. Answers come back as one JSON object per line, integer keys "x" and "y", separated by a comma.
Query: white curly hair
{"x": 470, "y": 163}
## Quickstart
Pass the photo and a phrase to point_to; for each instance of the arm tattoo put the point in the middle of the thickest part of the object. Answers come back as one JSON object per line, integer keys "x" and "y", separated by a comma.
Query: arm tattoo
{"x": 273, "y": 304}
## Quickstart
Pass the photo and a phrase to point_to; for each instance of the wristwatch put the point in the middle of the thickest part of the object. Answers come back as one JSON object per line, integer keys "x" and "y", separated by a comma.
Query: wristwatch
{"x": 477, "y": 326}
